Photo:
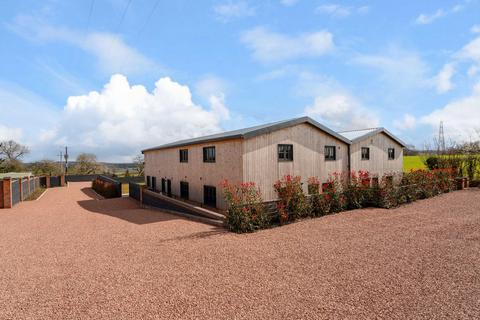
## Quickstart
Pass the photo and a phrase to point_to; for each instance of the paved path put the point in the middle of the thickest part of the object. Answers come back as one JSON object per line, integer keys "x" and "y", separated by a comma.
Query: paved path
{"x": 70, "y": 256}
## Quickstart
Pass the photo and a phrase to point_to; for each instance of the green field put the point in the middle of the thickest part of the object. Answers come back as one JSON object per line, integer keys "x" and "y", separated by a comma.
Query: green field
{"x": 412, "y": 162}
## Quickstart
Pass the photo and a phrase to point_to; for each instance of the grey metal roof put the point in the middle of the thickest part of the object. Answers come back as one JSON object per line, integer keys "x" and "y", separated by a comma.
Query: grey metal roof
{"x": 250, "y": 132}
{"x": 361, "y": 134}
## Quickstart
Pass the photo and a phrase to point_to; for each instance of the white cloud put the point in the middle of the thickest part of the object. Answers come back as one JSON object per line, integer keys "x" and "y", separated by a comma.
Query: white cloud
{"x": 342, "y": 112}
{"x": 473, "y": 70}
{"x": 460, "y": 117}
{"x": 8, "y": 133}
{"x": 210, "y": 85}
{"x": 471, "y": 51}
{"x": 268, "y": 46}
{"x": 402, "y": 68}
{"x": 475, "y": 28}
{"x": 340, "y": 11}
{"x": 444, "y": 78}
{"x": 408, "y": 122}
{"x": 230, "y": 10}
{"x": 288, "y": 2}
{"x": 429, "y": 18}
{"x": 120, "y": 120}
{"x": 111, "y": 52}
{"x": 440, "y": 13}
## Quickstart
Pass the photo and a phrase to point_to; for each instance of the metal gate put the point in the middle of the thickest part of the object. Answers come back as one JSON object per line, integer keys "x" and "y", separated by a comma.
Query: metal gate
{"x": 15, "y": 192}
{"x": 54, "y": 182}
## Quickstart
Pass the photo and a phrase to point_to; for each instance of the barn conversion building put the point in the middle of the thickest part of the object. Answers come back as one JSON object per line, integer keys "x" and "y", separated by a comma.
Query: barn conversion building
{"x": 192, "y": 169}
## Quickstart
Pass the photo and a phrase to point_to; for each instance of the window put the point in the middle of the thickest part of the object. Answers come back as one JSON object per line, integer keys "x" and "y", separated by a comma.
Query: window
{"x": 154, "y": 184}
{"x": 365, "y": 153}
{"x": 149, "y": 182}
{"x": 285, "y": 152}
{"x": 184, "y": 155}
{"x": 163, "y": 185}
{"x": 391, "y": 154}
{"x": 330, "y": 153}
{"x": 210, "y": 196}
{"x": 184, "y": 190}
{"x": 209, "y": 154}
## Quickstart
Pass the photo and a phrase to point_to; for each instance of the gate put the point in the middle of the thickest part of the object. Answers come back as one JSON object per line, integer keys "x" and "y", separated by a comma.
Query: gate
{"x": 15, "y": 192}
{"x": 54, "y": 182}
{"x": 25, "y": 193}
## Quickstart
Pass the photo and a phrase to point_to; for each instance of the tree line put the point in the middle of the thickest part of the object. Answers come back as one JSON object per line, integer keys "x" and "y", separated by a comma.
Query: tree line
{"x": 12, "y": 154}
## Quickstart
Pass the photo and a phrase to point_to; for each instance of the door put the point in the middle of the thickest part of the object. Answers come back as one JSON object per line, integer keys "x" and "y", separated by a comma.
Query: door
{"x": 163, "y": 185}
{"x": 210, "y": 196}
{"x": 154, "y": 184}
{"x": 169, "y": 187}
{"x": 184, "y": 190}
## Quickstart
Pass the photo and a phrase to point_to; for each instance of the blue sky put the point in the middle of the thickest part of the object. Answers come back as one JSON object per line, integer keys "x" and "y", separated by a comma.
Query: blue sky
{"x": 115, "y": 76}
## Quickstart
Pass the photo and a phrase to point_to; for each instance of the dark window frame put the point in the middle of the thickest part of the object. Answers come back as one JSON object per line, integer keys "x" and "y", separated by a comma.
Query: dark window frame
{"x": 208, "y": 157}
{"x": 391, "y": 156}
{"x": 149, "y": 181}
{"x": 285, "y": 152}
{"x": 367, "y": 155}
{"x": 183, "y": 153}
{"x": 328, "y": 157}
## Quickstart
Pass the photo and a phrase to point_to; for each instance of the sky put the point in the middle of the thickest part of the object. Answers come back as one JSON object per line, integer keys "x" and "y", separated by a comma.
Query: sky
{"x": 112, "y": 77}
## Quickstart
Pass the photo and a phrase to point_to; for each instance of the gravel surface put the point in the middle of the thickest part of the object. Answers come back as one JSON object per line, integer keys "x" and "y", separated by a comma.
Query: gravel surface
{"x": 70, "y": 256}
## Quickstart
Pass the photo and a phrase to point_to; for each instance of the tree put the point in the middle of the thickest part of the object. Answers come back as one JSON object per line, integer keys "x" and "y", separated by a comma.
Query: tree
{"x": 139, "y": 164}
{"x": 11, "y": 154}
{"x": 46, "y": 167}
{"x": 86, "y": 163}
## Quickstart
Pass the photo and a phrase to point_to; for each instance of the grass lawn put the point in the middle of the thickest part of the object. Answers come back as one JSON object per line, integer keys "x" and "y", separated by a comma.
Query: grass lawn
{"x": 412, "y": 162}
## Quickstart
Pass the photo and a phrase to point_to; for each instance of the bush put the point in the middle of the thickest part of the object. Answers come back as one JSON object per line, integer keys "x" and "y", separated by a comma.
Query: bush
{"x": 246, "y": 211}
{"x": 292, "y": 203}
{"x": 334, "y": 193}
{"x": 356, "y": 190}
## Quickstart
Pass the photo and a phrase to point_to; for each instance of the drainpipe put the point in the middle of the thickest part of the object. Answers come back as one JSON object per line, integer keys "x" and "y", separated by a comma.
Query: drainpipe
{"x": 349, "y": 167}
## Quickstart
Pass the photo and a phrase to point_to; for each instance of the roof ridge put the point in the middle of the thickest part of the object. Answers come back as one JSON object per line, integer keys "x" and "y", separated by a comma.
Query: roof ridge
{"x": 373, "y": 128}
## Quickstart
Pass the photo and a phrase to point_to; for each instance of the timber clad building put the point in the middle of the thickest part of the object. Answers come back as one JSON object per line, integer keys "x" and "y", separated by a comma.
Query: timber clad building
{"x": 192, "y": 169}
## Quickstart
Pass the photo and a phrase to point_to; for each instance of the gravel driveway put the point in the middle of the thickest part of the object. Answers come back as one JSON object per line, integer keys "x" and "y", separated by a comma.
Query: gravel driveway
{"x": 70, "y": 256}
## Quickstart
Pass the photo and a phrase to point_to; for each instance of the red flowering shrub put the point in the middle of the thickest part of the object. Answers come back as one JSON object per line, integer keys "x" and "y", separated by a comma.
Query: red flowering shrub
{"x": 333, "y": 191}
{"x": 292, "y": 203}
{"x": 356, "y": 190}
{"x": 246, "y": 211}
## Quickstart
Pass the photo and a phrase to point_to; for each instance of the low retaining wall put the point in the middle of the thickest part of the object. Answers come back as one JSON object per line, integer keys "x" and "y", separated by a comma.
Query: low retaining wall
{"x": 107, "y": 187}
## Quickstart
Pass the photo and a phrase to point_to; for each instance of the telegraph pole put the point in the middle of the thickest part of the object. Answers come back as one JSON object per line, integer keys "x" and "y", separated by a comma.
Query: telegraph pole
{"x": 65, "y": 156}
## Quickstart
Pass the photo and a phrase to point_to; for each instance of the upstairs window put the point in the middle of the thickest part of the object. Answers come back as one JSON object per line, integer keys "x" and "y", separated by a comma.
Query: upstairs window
{"x": 285, "y": 152}
{"x": 330, "y": 153}
{"x": 184, "y": 155}
{"x": 391, "y": 154}
{"x": 365, "y": 153}
{"x": 209, "y": 154}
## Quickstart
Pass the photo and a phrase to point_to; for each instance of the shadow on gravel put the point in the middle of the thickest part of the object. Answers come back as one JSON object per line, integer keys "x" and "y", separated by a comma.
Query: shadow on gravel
{"x": 123, "y": 208}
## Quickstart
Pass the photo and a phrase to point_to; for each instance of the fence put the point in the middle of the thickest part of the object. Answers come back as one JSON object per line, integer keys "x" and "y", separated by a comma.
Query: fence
{"x": 134, "y": 191}
{"x": 80, "y": 177}
{"x": 13, "y": 191}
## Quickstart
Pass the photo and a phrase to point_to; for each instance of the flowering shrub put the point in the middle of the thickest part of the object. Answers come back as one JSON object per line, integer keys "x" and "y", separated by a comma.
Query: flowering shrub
{"x": 292, "y": 203}
{"x": 356, "y": 189}
{"x": 417, "y": 184}
{"x": 333, "y": 191}
{"x": 246, "y": 211}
